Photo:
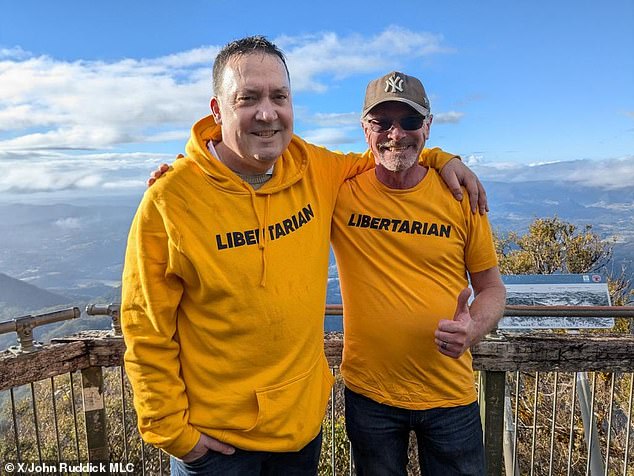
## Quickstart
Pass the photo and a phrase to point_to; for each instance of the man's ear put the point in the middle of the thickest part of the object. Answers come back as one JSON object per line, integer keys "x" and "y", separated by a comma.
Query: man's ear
{"x": 427, "y": 126}
{"x": 215, "y": 110}
{"x": 366, "y": 131}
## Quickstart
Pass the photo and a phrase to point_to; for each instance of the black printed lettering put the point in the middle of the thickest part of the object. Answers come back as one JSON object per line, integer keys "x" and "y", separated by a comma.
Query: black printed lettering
{"x": 404, "y": 228}
{"x": 385, "y": 223}
{"x": 279, "y": 231}
{"x": 221, "y": 245}
{"x": 249, "y": 236}
{"x": 288, "y": 226}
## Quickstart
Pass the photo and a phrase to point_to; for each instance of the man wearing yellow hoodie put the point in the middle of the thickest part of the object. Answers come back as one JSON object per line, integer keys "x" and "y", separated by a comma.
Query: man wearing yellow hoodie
{"x": 225, "y": 278}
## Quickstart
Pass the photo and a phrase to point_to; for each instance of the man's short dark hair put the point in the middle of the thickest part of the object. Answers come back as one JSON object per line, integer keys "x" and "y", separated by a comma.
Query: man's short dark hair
{"x": 243, "y": 46}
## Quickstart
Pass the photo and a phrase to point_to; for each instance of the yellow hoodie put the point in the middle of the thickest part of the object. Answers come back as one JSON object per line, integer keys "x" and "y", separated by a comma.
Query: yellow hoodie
{"x": 223, "y": 298}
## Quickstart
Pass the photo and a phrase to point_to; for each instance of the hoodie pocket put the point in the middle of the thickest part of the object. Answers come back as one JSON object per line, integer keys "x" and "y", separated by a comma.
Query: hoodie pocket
{"x": 293, "y": 410}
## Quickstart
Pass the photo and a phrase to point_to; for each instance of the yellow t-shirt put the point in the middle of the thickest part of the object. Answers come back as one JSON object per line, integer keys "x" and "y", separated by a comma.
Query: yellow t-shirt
{"x": 403, "y": 258}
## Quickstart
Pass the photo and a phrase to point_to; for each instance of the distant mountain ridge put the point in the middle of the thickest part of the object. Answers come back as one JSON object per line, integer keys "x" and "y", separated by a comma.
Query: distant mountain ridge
{"x": 18, "y": 294}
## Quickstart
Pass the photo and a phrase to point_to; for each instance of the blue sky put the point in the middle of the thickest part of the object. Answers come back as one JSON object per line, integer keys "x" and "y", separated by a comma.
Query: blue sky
{"x": 94, "y": 95}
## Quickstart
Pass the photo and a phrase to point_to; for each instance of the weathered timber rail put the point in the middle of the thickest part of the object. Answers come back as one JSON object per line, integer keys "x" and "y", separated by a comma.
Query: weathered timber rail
{"x": 540, "y": 351}
{"x": 534, "y": 351}
{"x": 537, "y": 351}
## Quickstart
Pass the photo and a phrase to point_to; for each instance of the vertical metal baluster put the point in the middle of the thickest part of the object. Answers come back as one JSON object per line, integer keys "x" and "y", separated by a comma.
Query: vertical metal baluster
{"x": 572, "y": 420}
{"x": 552, "y": 426}
{"x": 123, "y": 415}
{"x": 534, "y": 423}
{"x": 332, "y": 423}
{"x": 142, "y": 455}
{"x": 517, "y": 413}
{"x": 15, "y": 427}
{"x": 608, "y": 436}
{"x": 351, "y": 463}
{"x": 591, "y": 430}
{"x": 35, "y": 421}
{"x": 160, "y": 456}
{"x": 628, "y": 427}
{"x": 72, "y": 399}
{"x": 59, "y": 448}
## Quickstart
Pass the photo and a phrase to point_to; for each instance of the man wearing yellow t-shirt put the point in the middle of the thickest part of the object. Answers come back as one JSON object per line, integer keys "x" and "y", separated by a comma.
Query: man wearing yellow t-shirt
{"x": 406, "y": 252}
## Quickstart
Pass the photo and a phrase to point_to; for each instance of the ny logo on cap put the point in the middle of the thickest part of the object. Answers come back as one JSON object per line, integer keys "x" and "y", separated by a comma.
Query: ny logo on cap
{"x": 394, "y": 83}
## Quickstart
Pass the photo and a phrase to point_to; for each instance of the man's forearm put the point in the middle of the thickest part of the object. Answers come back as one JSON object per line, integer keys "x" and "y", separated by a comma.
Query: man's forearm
{"x": 488, "y": 306}
{"x": 486, "y": 311}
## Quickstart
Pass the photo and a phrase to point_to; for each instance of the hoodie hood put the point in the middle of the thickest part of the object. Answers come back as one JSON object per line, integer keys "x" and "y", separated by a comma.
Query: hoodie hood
{"x": 289, "y": 168}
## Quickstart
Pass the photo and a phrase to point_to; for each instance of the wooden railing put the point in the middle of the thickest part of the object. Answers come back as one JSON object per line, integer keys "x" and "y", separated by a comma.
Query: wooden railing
{"x": 494, "y": 357}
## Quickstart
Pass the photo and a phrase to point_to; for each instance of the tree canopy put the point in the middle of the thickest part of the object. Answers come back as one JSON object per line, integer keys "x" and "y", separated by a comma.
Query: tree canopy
{"x": 552, "y": 245}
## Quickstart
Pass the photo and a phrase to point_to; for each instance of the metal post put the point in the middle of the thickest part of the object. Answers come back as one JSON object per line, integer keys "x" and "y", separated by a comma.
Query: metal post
{"x": 492, "y": 385}
{"x": 509, "y": 436}
{"x": 95, "y": 414}
{"x": 589, "y": 425}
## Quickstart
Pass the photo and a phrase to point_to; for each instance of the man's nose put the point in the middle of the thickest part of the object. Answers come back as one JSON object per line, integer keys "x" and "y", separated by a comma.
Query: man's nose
{"x": 395, "y": 132}
{"x": 266, "y": 111}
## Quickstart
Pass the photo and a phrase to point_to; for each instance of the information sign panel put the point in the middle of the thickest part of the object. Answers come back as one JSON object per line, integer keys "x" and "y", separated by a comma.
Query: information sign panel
{"x": 556, "y": 290}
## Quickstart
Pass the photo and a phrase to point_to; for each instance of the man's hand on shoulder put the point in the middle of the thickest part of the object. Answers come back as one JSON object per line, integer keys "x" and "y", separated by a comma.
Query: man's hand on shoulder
{"x": 157, "y": 173}
{"x": 207, "y": 443}
{"x": 455, "y": 174}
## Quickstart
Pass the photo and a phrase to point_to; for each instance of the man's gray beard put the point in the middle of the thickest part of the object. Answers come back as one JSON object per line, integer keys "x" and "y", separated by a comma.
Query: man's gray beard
{"x": 398, "y": 165}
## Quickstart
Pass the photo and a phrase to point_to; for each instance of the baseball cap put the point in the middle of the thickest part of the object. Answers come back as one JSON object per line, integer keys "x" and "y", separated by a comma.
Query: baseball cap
{"x": 399, "y": 87}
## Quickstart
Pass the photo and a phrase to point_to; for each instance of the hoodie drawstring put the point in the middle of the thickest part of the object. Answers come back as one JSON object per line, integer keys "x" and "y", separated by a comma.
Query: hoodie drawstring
{"x": 262, "y": 224}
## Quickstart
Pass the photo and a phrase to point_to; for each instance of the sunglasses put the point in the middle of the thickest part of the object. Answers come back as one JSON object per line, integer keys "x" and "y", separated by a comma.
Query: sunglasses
{"x": 409, "y": 123}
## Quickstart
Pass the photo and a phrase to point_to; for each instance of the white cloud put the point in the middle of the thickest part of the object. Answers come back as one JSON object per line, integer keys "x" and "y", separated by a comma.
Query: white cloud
{"x": 15, "y": 53}
{"x": 621, "y": 207}
{"x": 331, "y": 136}
{"x": 52, "y": 104}
{"x": 335, "y": 119}
{"x": 70, "y": 223}
{"x": 311, "y": 56}
{"x": 52, "y": 109}
{"x": 609, "y": 174}
{"x": 473, "y": 159}
{"x": 202, "y": 56}
{"x": 41, "y": 171}
{"x": 125, "y": 184}
{"x": 45, "y": 178}
{"x": 450, "y": 117}
{"x": 47, "y": 103}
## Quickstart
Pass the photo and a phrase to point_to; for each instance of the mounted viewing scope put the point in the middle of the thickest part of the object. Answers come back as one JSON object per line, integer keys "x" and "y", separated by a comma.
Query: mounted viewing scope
{"x": 24, "y": 326}
{"x": 112, "y": 310}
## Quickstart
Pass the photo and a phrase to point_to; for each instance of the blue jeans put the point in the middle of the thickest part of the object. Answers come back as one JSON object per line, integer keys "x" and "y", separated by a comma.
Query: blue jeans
{"x": 247, "y": 463}
{"x": 449, "y": 439}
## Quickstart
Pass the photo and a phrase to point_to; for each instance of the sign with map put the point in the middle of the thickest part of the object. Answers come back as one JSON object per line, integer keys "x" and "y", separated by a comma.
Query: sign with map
{"x": 556, "y": 290}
